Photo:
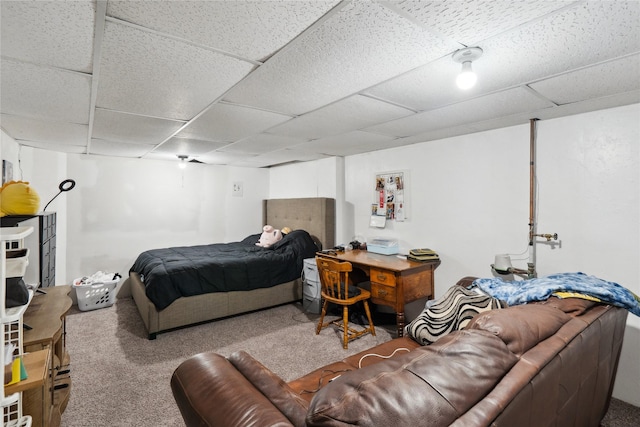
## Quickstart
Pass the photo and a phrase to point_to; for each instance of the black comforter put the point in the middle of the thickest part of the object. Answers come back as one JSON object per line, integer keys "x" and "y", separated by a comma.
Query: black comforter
{"x": 171, "y": 273}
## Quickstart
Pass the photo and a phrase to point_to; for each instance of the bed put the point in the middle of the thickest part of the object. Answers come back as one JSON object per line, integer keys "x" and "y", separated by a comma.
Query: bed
{"x": 316, "y": 216}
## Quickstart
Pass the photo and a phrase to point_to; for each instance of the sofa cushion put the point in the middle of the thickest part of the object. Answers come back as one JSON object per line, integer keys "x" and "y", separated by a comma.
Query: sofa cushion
{"x": 308, "y": 385}
{"x": 381, "y": 352}
{"x": 521, "y": 326}
{"x": 450, "y": 313}
{"x": 571, "y": 306}
{"x": 431, "y": 385}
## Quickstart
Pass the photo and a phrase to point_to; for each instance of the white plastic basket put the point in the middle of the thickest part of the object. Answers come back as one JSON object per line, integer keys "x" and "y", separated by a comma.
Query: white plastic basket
{"x": 17, "y": 262}
{"x": 96, "y": 295}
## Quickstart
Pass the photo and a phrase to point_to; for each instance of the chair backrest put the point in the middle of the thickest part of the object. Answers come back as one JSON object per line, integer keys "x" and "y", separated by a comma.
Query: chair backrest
{"x": 334, "y": 278}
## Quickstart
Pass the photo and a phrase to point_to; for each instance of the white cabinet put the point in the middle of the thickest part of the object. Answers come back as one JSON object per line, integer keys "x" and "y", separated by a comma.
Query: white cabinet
{"x": 311, "y": 297}
{"x": 11, "y": 319}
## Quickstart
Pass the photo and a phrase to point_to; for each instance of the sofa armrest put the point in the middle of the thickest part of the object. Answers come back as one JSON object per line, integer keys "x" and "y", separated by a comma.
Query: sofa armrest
{"x": 209, "y": 390}
{"x": 273, "y": 387}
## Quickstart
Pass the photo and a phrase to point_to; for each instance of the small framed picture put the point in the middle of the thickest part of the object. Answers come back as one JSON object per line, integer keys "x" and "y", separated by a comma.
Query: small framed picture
{"x": 7, "y": 171}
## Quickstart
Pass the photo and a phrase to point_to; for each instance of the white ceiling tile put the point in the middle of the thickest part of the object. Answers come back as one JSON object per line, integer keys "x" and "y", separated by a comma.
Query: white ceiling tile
{"x": 191, "y": 160}
{"x": 347, "y": 143}
{"x": 428, "y": 87}
{"x": 304, "y": 155}
{"x": 248, "y": 29}
{"x": 262, "y": 143}
{"x": 610, "y": 101}
{"x": 330, "y": 72}
{"x": 588, "y": 33}
{"x": 22, "y": 128}
{"x": 252, "y": 162}
{"x": 157, "y": 155}
{"x": 434, "y": 135}
{"x": 469, "y": 22}
{"x": 592, "y": 82}
{"x": 499, "y": 104}
{"x": 223, "y": 158}
{"x": 226, "y": 122}
{"x": 53, "y": 146}
{"x": 118, "y": 149}
{"x": 346, "y": 115}
{"x": 41, "y": 92}
{"x": 329, "y": 62}
{"x": 54, "y": 33}
{"x": 148, "y": 74}
{"x": 554, "y": 44}
{"x": 503, "y": 122}
{"x": 115, "y": 126}
{"x": 272, "y": 158}
{"x": 189, "y": 146}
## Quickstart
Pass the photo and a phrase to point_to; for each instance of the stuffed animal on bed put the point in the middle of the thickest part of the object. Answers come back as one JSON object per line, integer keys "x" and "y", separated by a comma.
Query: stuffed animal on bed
{"x": 269, "y": 236}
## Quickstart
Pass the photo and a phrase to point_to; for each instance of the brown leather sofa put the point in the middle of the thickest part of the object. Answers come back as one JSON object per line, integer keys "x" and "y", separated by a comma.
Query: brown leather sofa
{"x": 545, "y": 364}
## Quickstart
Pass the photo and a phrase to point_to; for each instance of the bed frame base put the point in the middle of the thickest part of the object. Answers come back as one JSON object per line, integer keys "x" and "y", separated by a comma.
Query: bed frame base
{"x": 187, "y": 311}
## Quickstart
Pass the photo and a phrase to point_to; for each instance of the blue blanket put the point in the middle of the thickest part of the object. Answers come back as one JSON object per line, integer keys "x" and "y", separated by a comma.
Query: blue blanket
{"x": 523, "y": 291}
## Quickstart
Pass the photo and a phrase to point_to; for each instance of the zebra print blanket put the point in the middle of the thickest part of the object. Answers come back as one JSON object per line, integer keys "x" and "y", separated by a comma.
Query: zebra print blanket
{"x": 450, "y": 313}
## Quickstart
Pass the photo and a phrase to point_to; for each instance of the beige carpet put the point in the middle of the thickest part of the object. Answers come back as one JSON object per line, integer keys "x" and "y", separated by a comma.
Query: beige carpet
{"x": 120, "y": 378}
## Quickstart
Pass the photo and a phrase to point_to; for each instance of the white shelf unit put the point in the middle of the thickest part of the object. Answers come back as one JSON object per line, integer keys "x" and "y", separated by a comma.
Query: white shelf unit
{"x": 11, "y": 329}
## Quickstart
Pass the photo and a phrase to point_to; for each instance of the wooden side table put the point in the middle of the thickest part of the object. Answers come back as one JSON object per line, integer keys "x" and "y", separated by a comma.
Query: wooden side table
{"x": 46, "y": 316}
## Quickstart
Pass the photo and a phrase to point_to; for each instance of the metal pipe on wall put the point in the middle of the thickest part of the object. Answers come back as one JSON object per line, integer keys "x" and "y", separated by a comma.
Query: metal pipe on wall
{"x": 532, "y": 198}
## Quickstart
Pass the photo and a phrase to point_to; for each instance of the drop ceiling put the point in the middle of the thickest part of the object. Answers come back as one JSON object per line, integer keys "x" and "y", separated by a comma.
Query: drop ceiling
{"x": 262, "y": 83}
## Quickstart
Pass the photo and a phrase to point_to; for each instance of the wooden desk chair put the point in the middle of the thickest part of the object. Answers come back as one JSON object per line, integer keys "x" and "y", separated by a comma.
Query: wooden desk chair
{"x": 334, "y": 279}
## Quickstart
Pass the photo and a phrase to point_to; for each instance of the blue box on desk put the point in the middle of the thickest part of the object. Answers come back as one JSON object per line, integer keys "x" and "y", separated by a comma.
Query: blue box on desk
{"x": 383, "y": 246}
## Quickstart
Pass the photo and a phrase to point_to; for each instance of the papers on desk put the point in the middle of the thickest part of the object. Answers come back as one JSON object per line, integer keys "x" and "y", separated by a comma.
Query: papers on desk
{"x": 423, "y": 255}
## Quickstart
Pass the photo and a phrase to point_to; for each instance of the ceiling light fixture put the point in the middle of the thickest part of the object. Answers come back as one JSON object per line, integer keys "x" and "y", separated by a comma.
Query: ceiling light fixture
{"x": 467, "y": 78}
{"x": 183, "y": 161}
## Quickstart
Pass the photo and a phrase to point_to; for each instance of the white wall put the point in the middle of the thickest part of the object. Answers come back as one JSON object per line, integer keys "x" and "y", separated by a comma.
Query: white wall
{"x": 321, "y": 178}
{"x": 468, "y": 196}
{"x": 121, "y": 207}
{"x": 468, "y": 199}
{"x": 308, "y": 179}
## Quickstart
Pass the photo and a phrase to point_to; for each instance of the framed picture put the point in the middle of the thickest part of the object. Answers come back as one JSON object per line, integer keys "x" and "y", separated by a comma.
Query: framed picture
{"x": 389, "y": 196}
{"x": 7, "y": 171}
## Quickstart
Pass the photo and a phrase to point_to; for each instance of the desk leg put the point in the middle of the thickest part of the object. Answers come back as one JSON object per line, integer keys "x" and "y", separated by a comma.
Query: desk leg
{"x": 400, "y": 323}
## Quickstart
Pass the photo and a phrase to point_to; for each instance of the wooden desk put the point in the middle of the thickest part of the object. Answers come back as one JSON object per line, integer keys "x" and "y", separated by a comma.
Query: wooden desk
{"x": 394, "y": 281}
{"x": 46, "y": 315}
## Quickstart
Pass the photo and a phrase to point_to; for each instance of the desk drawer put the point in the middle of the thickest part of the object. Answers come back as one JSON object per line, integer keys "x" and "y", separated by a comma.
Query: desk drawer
{"x": 383, "y": 292}
{"x": 382, "y": 276}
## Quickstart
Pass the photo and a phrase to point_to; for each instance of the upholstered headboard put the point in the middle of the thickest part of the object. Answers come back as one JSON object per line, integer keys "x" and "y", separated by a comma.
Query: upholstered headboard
{"x": 316, "y": 215}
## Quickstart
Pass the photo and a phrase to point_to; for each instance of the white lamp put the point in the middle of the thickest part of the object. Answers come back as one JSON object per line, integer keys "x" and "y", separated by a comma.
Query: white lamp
{"x": 467, "y": 78}
{"x": 502, "y": 264}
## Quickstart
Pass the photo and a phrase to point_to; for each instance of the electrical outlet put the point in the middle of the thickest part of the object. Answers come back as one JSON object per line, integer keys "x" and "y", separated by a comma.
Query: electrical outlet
{"x": 237, "y": 189}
